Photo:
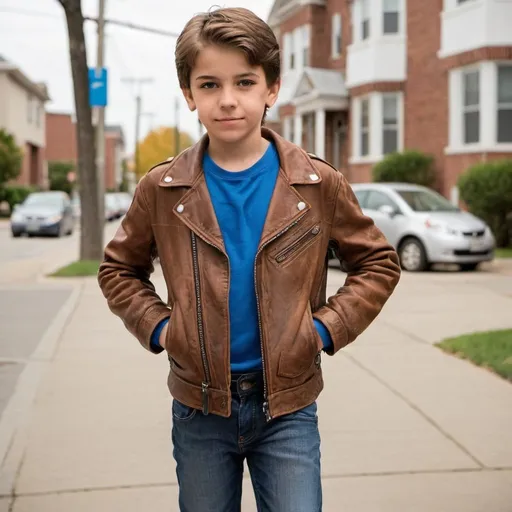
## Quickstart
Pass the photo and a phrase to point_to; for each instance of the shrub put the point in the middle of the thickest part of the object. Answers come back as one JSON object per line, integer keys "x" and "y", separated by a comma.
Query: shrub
{"x": 11, "y": 157}
{"x": 58, "y": 176}
{"x": 15, "y": 194}
{"x": 408, "y": 167}
{"x": 486, "y": 188}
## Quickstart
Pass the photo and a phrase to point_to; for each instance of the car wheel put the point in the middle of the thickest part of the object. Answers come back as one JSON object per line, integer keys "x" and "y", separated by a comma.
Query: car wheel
{"x": 16, "y": 234}
{"x": 468, "y": 267}
{"x": 413, "y": 256}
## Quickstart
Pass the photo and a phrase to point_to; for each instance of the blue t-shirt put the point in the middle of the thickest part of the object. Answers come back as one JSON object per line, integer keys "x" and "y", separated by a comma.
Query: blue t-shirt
{"x": 241, "y": 200}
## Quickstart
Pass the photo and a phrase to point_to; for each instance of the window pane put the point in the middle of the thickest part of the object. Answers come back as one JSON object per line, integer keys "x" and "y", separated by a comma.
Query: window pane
{"x": 377, "y": 199}
{"x": 391, "y": 5}
{"x": 366, "y": 29}
{"x": 365, "y": 114}
{"x": 390, "y": 23}
{"x": 505, "y": 125}
{"x": 365, "y": 143}
{"x": 504, "y": 84}
{"x": 390, "y": 140}
{"x": 361, "y": 196}
{"x": 471, "y": 88}
{"x": 471, "y": 127}
{"x": 390, "y": 109}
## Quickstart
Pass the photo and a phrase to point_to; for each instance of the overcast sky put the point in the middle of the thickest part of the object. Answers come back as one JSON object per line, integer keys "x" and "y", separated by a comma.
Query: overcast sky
{"x": 34, "y": 37}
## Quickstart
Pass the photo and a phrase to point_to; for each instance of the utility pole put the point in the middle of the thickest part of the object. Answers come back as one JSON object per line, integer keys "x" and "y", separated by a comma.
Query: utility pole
{"x": 100, "y": 127}
{"x": 138, "y": 112}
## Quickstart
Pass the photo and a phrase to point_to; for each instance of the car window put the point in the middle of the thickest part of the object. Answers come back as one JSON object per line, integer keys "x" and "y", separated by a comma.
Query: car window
{"x": 426, "y": 201}
{"x": 377, "y": 199}
{"x": 361, "y": 196}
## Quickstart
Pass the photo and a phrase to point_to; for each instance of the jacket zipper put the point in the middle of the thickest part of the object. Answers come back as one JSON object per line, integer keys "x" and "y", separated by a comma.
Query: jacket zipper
{"x": 266, "y": 410}
{"x": 280, "y": 257}
{"x": 200, "y": 328}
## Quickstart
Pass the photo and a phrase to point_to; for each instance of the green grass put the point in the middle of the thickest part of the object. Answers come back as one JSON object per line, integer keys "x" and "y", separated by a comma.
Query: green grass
{"x": 492, "y": 350}
{"x": 504, "y": 253}
{"x": 78, "y": 269}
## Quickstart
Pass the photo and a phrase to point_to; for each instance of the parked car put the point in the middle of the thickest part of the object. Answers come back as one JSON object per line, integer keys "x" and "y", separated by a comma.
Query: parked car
{"x": 424, "y": 227}
{"x": 125, "y": 200}
{"x": 43, "y": 213}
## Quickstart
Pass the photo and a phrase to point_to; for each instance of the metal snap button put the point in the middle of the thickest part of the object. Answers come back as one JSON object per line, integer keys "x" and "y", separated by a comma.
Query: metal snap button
{"x": 313, "y": 177}
{"x": 180, "y": 208}
{"x": 301, "y": 206}
{"x": 167, "y": 179}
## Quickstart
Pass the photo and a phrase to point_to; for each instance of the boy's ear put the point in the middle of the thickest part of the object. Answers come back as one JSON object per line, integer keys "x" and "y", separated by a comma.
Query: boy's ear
{"x": 187, "y": 93}
{"x": 273, "y": 92}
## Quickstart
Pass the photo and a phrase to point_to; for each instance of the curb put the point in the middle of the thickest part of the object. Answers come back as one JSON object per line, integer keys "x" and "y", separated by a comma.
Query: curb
{"x": 15, "y": 420}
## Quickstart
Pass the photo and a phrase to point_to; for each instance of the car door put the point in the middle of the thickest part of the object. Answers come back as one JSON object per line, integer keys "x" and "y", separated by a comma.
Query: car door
{"x": 386, "y": 214}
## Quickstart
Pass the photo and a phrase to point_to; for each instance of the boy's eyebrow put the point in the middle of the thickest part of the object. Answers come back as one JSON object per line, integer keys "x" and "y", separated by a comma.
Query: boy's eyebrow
{"x": 242, "y": 75}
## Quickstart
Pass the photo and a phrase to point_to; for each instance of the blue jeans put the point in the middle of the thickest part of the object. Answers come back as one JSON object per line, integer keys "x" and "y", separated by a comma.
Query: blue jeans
{"x": 283, "y": 455}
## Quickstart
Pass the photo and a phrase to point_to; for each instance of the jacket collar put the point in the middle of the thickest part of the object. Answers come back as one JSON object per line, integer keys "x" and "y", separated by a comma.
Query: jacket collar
{"x": 187, "y": 167}
{"x": 195, "y": 208}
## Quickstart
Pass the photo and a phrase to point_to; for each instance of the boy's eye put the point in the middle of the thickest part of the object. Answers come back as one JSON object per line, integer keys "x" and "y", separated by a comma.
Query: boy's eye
{"x": 208, "y": 85}
{"x": 246, "y": 83}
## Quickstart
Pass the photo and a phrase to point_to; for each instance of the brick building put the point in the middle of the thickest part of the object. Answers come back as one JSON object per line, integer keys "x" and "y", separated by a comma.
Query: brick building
{"x": 61, "y": 145}
{"x": 363, "y": 78}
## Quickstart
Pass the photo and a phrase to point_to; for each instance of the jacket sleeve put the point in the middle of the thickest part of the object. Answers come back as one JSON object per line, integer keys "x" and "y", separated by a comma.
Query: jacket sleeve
{"x": 372, "y": 267}
{"x": 124, "y": 273}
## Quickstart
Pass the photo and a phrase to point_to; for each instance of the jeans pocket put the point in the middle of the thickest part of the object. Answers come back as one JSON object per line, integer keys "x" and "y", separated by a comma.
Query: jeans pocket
{"x": 182, "y": 412}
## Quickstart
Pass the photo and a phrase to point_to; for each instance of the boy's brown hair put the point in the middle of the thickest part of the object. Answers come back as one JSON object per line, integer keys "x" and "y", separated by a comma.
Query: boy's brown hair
{"x": 236, "y": 28}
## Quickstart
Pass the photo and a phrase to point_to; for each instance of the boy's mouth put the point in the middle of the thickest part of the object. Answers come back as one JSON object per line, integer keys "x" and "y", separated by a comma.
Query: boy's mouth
{"x": 229, "y": 119}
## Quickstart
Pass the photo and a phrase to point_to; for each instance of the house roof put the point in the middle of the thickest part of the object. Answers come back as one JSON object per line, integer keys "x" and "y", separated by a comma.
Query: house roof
{"x": 324, "y": 82}
{"x": 38, "y": 89}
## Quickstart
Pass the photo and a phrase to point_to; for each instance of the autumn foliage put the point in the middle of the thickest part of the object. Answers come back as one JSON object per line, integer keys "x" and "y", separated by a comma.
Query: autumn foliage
{"x": 158, "y": 145}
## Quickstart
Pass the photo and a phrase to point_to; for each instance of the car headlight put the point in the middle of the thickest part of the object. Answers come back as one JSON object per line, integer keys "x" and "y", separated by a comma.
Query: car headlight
{"x": 53, "y": 219}
{"x": 17, "y": 217}
{"x": 440, "y": 227}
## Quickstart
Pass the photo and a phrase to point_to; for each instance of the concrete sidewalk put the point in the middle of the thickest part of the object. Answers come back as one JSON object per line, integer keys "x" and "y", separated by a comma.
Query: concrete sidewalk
{"x": 404, "y": 426}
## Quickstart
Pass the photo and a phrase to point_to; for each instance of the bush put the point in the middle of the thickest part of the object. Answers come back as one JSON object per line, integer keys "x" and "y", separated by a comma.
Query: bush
{"x": 408, "y": 167}
{"x": 15, "y": 194}
{"x": 58, "y": 176}
{"x": 11, "y": 158}
{"x": 486, "y": 189}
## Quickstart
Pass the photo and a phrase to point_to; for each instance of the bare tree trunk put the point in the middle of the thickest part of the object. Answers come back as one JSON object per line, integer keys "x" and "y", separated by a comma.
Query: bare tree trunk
{"x": 91, "y": 237}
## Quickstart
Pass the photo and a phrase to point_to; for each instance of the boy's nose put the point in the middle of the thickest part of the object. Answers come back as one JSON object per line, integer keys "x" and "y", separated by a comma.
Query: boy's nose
{"x": 228, "y": 99}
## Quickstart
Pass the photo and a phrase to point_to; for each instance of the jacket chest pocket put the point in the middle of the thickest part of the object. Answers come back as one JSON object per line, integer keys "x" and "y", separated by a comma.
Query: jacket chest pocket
{"x": 297, "y": 245}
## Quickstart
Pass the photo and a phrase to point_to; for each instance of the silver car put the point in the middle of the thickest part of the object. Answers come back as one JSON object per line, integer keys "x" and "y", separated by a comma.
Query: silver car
{"x": 424, "y": 227}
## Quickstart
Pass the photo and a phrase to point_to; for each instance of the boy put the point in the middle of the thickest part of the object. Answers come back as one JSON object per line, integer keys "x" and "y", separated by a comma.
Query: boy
{"x": 242, "y": 222}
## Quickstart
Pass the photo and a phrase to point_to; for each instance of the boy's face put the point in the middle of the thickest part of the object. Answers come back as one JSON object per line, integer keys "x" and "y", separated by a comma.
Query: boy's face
{"x": 230, "y": 95}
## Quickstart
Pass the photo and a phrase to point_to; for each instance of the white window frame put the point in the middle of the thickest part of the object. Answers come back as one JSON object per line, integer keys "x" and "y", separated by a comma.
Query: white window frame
{"x": 398, "y": 12}
{"x": 365, "y": 17}
{"x": 503, "y": 105}
{"x": 336, "y": 35}
{"x": 394, "y": 126}
{"x": 471, "y": 109}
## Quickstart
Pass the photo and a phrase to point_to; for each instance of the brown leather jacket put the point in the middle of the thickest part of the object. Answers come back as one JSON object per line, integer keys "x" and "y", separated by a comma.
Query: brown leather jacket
{"x": 312, "y": 206}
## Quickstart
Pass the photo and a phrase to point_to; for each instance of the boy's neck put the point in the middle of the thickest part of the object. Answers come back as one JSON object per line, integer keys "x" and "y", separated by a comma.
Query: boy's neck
{"x": 238, "y": 156}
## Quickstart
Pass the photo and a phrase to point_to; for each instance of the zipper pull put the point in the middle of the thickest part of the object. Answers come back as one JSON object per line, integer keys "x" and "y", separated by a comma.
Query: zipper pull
{"x": 204, "y": 388}
{"x": 266, "y": 411}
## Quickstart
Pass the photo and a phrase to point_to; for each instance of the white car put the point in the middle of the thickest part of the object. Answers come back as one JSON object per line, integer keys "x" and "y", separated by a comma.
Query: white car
{"x": 424, "y": 227}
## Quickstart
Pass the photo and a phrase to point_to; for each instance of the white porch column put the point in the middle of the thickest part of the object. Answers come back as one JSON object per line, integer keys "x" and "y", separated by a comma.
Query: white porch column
{"x": 297, "y": 132}
{"x": 320, "y": 133}
{"x": 287, "y": 128}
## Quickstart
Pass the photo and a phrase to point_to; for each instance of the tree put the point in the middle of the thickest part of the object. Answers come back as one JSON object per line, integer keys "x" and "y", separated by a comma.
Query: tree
{"x": 11, "y": 157}
{"x": 58, "y": 176}
{"x": 91, "y": 223}
{"x": 157, "y": 146}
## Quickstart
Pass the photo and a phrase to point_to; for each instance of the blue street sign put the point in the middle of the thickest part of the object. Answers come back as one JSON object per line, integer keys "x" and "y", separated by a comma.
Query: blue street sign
{"x": 98, "y": 87}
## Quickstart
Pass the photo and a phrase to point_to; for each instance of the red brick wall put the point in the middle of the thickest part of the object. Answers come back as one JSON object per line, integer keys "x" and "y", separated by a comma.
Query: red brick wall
{"x": 360, "y": 173}
{"x": 426, "y": 92}
{"x": 60, "y": 138}
{"x": 320, "y": 49}
{"x": 472, "y": 56}
{"x": 455, "y": 165}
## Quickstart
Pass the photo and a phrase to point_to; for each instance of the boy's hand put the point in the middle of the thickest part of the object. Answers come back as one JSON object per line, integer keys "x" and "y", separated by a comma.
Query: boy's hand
{"x": 163, "y": 335}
